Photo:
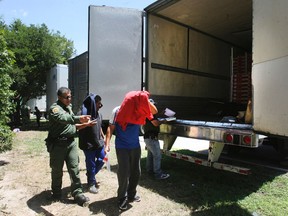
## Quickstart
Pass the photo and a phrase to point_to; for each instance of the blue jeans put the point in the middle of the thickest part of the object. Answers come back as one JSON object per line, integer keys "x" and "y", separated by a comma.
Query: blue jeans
{"x": 94, "y": 163}
{"x": 153, "y": 160}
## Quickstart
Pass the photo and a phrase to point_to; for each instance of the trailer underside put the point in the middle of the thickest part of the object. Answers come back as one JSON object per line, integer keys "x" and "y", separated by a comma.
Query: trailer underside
{"x": 217, "y": 133}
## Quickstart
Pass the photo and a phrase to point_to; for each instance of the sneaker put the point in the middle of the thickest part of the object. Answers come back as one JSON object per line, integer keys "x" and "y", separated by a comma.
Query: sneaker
{"x": 134, "y": 199}
{"x": 163, "y": 176}
{"x": 122, "y": 204}
{"x": 80, "y": 199}
{"x": 93, "y": 189}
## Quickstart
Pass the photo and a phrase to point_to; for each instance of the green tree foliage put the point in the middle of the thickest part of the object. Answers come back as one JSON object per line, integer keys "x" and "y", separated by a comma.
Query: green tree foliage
{"x": 6, "y": 95}
{"x": 36, "y": 51}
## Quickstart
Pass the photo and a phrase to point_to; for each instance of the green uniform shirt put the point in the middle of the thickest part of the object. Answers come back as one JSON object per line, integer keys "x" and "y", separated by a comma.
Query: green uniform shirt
{"x": 62, "y": 121}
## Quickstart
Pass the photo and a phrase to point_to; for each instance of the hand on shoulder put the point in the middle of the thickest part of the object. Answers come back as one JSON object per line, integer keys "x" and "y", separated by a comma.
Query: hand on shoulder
{"x": 85, "y": 118}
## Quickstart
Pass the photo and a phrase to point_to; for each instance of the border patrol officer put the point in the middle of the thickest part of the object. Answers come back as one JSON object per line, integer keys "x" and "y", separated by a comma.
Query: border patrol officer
{"x": 63, "y": 125}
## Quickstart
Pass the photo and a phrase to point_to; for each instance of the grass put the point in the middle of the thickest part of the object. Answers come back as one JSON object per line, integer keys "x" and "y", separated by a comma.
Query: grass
{"x": 213, "y": 192}
{"x": 204, "y": 191}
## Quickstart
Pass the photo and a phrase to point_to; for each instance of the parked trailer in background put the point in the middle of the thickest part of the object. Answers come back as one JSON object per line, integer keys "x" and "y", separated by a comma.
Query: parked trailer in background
{"x": 78, "y": 80}
{"x": 39, "y": 102}
{"x": 203, "y": 59}
{"x": 57, "y": 77}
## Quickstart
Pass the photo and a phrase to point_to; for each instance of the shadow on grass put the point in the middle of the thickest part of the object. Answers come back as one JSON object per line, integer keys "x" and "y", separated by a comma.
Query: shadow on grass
{"x": 233, "y": 209}
{"x": 106, "y": 207}
{"x": 38, "y": 202}
{"x": 2, "y": 162}
{"x": 206, "y": 191}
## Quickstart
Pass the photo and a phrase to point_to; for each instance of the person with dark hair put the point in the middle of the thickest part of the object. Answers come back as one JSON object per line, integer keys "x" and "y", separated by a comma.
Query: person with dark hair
{"x": 91, "y": 141}
{"x": 38, "y": 115}
{"x": 62, "y": 148}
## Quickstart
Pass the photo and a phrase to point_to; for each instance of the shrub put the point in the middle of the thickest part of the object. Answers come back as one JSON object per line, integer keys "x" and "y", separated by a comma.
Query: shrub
{"x": 6, "y": 136}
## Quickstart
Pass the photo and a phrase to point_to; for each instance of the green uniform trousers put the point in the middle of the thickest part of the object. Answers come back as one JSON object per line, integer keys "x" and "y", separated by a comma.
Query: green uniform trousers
{"x": 60, "y": 153}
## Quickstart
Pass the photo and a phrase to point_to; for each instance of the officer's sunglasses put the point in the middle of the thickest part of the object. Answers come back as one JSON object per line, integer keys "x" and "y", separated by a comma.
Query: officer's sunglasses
{"x": 67, "y": 97}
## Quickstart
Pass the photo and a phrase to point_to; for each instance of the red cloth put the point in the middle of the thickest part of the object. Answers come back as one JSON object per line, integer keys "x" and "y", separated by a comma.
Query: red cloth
{"x": 134, "y": 109}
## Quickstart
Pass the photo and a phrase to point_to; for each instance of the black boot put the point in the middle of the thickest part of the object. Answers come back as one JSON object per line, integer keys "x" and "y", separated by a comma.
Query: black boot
{"x": 82, "y": 200}
{"x": 54, "y": 198}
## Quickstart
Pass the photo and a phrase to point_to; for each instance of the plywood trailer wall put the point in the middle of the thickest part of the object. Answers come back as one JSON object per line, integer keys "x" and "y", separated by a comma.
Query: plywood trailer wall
{"x": 187, "y": 70}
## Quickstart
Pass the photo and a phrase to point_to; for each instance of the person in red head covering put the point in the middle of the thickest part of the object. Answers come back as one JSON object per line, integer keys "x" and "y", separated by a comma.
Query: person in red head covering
{"x": 126, "y": 120}
{"x": 135, "y": 108}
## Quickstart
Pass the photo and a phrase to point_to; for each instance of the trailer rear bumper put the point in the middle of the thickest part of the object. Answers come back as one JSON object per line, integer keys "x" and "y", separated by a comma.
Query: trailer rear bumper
{"x": 217, "y": 133}
{"x": 228, "y": 133}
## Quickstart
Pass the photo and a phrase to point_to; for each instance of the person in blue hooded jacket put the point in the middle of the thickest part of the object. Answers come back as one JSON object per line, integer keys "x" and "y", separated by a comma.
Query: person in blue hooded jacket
{"x": 91, "y": 141}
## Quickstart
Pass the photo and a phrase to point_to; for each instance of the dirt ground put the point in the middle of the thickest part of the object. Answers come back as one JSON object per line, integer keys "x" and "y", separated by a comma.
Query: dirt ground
{"x": 25, "y": 186}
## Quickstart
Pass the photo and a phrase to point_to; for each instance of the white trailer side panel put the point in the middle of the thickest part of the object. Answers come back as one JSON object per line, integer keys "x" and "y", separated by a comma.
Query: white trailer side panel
{"x": 57, "y": 77}
{"x": 115, "y": 54}
{"x": 270, "y": 64}
{"x": 40, "y": 102}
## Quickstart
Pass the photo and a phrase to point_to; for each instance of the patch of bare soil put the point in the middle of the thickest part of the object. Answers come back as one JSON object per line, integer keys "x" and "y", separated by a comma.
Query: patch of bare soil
{"x": 25, "y": 186}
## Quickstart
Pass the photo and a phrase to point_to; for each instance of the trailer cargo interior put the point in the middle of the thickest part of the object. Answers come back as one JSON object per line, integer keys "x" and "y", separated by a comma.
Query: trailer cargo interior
{"x": 199, "y": 57}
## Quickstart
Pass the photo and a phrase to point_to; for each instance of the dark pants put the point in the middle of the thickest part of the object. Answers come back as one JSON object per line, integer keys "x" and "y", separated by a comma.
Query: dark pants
{"x": 38, "y": 121}
{"x": 94, "y": 163}
{"x": 128, "y": 171}
{"x": 68, "y": 153}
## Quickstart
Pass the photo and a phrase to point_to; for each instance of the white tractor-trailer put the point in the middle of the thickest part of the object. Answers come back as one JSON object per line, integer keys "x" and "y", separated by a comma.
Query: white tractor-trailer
{"x": 203, "y": 59}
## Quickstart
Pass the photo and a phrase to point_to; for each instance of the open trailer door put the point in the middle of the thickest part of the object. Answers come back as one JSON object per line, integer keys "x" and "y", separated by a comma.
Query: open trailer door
{"x": 115, "y": 51}
{"x": 270, "y": 64}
